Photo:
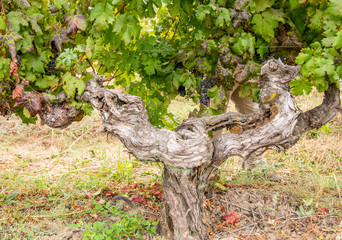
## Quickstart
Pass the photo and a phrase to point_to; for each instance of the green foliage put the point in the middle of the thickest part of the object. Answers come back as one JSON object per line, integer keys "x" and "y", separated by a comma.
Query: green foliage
{"x": 151, "y": 48}
{"x": 126, "y": 225}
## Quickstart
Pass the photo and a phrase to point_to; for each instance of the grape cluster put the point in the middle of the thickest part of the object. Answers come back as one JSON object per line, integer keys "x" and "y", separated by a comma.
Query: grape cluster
{"x": 52, "y": 64}
{"x": 182, "y": 91}
{"x": 205, "y": 85}
{"x": 19, "y": 53}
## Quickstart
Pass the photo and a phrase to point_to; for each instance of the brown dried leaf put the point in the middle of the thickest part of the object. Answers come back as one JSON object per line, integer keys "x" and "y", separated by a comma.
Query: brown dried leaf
{"x": 138, "y": 199}
{"x": 17, "y": 92}
{"x": 14, "y": 70}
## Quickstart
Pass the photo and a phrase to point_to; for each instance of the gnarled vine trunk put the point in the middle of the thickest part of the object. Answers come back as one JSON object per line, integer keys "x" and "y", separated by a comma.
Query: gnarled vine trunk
{"x": 189, "y": 155}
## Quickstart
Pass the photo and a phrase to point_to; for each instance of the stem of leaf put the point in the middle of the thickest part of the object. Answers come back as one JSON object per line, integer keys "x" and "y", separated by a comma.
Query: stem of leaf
{"x": 122, "y": 6}
{"x": 54, "y": 89}
{"x": 80, "y": 58}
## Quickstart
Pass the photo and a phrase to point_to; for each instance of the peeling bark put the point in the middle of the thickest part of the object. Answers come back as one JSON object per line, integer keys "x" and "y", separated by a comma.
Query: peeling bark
{"x": 189, "y": 155}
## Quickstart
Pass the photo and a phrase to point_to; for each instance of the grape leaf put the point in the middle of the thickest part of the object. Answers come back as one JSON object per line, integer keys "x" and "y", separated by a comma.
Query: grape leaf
{"x": 316, "y": 21}
{"x": 67, "y": 58}
{"x": 223, "y": 18}
{"x": 241, "y": 72}
{"x": 261, "y": 5}
{"x": 77, "y": 22}
{"x": 290, "y": 40}
{"x": 9, "y": 40}
{"x": 47, "y": 81}
{"x": 335, "y": 8}
{"x": 300, "y": 85}
{"x": 240, "y": 4}
{"x": 22, "y": 4}
{"x": 338, "y": 40}
{"x": 17, "y": 18}
{"x": 60, "y": 37}
{"x": 102, "y": 14}
{"x": 202, "y": 11}
{"x": 72, "y": 84}
{"x": 34, "y": 19}
{"x": 31, "y": 101}
{"x": 36, "y": 63}
{"x": 26, "y": 43}
{"x": 264, "y": 25}
{"x": 59, "y": 3}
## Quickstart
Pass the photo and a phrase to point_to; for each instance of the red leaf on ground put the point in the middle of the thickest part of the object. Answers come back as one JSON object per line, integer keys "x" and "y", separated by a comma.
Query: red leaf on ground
{"x": 45, "y": 192}
{"x": 232, "y": 217}
{"x": 158, "y": 194}
{"x": 87, "y": 196}
{"x": 322, "y": 211}
{"x": 17, "y": 92}
{"x": 138, "y": 199}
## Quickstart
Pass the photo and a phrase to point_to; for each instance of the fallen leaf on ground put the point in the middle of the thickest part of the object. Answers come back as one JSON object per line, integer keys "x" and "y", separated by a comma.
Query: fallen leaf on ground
{"x": 232, "y": 217}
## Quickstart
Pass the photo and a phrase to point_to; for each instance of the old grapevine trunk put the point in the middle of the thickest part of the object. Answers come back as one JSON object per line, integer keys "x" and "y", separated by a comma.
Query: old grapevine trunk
{"x": 188, "y": 154}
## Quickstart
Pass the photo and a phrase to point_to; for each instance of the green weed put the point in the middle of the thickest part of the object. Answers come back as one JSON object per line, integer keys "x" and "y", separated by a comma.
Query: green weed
{"x": 124, "y": 226}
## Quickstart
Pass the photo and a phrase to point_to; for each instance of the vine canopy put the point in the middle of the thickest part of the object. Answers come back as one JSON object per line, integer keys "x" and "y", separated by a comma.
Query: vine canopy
{"x": 154, "y": 48}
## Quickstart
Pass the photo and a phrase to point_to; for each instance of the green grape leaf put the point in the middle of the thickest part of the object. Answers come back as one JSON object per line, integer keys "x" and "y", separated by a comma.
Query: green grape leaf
{"x": 60, "y": 37}
{"x": 300, "y": 85}
{"x": 31, "y": 101}
{"x": 21, "y": 112}
{"x": 9, "y": 40}
{"x": 294, "y": 4}
{"x": 22, "y": 4}
{"x": 72, "y": 84}
{"x": 37, "y": 63}
{"x": 261, "y": 5}
{"x": 34, "y": 19}
{"x": 47, "y": 82}
{"x": 26, "y": 43}
{"x": 77, "y": 22}
{"x": 335, "y": 8}
{"x": 67, "y": 58}
{"x": 102, "y": 14}
{"x": 60, "y": 3}
{"x": 303, "y": 57}
{"x": 338, "y": 40}
{"x": 316, "y": 22}
{"x": 264, "y": 25}
{"x": 223, "y": 18}
{"x": 202, "y": 11}
{"x": 17, "y": 18}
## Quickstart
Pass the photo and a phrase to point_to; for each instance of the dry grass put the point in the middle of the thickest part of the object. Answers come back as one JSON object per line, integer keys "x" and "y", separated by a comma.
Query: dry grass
{"x": 56, "y": 169}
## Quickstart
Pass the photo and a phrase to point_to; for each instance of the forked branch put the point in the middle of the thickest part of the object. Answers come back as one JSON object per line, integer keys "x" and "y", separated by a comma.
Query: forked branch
{"x": 277, "y": 123}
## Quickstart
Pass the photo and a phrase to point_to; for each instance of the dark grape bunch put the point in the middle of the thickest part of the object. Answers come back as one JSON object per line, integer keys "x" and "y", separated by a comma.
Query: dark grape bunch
{"x": 182, "y": 91}
{"x": 52, "y": 64}
{"x": 19, "y": 53}
{"x": 205, "y": 85}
